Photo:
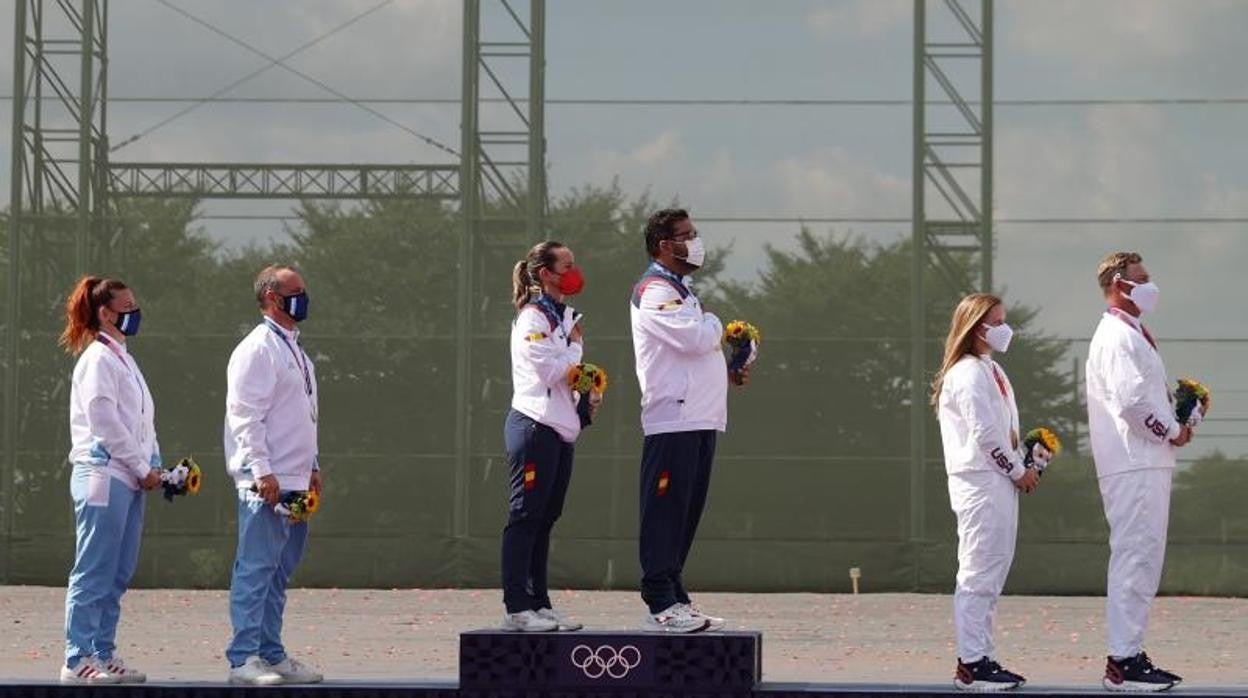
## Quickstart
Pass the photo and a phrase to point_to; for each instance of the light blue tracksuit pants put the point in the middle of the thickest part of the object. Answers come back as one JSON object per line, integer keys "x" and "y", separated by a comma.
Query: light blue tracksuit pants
{"x": 105, "y": 557}
{"x": 269, "y": 550}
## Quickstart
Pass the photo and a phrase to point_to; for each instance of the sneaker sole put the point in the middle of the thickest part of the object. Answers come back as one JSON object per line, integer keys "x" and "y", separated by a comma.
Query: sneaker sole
{"x": 75, "y": 680}
{"x": 660, "y": 630}
{"x": 986, "y": 686}
{"x": 253, "y": 682}
{"x": 85, "y": 682}
{"x": 1136, "y": 687}
{"x": 530, "y": 630}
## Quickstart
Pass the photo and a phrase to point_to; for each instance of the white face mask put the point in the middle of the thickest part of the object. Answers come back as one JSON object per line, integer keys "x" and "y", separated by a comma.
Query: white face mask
{"x": 695, "y": 253}
{"x": 1146, "y": 296}
{"x": 998, "y": 336}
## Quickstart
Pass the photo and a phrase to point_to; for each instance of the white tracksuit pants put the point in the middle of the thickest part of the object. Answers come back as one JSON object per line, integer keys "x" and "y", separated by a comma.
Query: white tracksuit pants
{"x": 1137, "y": 507}
{"x": 986, "y": 504}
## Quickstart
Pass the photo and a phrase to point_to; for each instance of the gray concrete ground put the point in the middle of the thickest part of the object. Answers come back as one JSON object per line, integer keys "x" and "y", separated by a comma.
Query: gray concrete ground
{"x": 175, "y": 634}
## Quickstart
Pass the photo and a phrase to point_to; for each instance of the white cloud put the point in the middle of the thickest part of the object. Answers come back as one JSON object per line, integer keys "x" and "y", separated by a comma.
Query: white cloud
{"x": 653, "y": 163}
{"x": 1112, "y": 34}
{"x": 831, "y": 180}
{"x": 1109, "y": 165}
{"x": 867, "y": 19}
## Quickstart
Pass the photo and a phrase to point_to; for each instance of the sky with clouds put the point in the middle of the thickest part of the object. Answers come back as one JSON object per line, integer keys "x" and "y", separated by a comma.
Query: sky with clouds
{"x": 1111, "y": 161}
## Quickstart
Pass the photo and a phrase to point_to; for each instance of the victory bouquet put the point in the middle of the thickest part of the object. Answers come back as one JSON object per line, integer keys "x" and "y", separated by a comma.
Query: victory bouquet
{"x": 181, "y": 479}
{"x": 1191, "y": 402}
{"x": 1040, "y": 447}
{"x": 743, "y": 340}
{"x": 298, "y": 506}
{"x": 588, "y": 383}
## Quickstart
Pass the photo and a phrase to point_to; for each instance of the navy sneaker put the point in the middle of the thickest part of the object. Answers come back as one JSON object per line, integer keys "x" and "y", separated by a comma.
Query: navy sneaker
{"x": 1137, "y": 675}
{"x": 985, "y": 676}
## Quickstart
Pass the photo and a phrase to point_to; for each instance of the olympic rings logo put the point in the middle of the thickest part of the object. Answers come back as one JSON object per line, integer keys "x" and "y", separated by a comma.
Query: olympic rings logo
{"x": 605, "y": 660}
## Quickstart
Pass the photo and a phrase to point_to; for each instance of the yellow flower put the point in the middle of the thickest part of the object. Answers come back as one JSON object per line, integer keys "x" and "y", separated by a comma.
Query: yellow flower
{"x": 738, "y": 330}
{"x": 312, "y": 502}
{"x": 194, "y": 475}
{"x": 1196, "y": 387}
{"x": 583, "y": 378}
{"x": 1049, "y": 439}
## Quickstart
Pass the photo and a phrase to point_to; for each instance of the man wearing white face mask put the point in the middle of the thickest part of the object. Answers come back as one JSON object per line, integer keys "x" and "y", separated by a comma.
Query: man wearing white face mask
{"x": 979, "y": 431}
{"x": 1134, "y": 434}
{"x": 684, "y": 405}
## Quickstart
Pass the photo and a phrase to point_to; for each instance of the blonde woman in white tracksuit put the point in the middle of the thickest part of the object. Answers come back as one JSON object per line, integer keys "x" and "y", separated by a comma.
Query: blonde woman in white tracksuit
{"x": 1134, "y": 434}
{"x": 979, "y": 429}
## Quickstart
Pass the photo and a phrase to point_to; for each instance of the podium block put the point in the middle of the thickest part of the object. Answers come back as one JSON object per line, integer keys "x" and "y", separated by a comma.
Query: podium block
{"x": 724, "y": 663}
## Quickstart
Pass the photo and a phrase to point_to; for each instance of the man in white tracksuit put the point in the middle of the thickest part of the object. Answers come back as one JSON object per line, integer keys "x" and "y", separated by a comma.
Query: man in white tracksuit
{"x": 270, "y": 449}
{"x": 684, "y": 405}
{"x": 1134, "y": 434}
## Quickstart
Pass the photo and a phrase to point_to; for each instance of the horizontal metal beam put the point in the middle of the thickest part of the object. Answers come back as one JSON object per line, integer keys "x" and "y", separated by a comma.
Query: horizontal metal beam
{"x": 282, "y": 181}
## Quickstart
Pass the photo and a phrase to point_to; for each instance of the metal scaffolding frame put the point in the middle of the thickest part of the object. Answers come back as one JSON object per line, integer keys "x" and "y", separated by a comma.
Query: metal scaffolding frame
{"x": 952, "y": 157}
{"x": 61, "y": 166}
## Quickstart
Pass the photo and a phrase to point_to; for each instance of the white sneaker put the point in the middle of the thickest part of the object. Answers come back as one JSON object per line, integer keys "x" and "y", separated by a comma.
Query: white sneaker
{"x": 255, "y": 672}
{"x": 528, "y": 622}
{"x": 90, "y": 670}
{"x": 117, "y": 667}
{"x": 713, "y": 622}
{"x": 294, "y": 671}
{"x": 564, "y": 623}
{"x": 674, "y": 620}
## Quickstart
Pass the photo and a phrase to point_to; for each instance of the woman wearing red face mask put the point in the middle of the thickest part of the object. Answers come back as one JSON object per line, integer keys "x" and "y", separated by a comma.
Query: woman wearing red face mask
{"x": 540, "y": 430}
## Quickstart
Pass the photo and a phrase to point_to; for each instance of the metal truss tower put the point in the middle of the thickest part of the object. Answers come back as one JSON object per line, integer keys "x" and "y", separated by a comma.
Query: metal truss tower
{"x": 61, "y": 170}
{"x": 952, "y": 197}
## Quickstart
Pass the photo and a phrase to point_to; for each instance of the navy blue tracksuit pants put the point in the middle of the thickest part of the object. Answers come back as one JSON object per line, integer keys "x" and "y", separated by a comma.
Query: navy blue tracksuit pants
{"x": 675, "y": 477}
{"x": 541, "y": 468}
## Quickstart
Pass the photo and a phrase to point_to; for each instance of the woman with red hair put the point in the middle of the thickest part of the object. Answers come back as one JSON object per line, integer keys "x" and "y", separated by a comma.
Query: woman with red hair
{"x": 114, "y": 456}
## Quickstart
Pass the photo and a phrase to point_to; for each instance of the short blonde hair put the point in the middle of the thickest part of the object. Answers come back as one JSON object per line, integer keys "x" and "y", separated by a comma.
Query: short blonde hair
{"x": 1116, "y": 263}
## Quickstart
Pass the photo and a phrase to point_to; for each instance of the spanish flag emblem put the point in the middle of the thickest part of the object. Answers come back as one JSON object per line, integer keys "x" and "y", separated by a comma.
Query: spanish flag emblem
{"x": 665, "y": 479}
{"x": 530, "y": 477}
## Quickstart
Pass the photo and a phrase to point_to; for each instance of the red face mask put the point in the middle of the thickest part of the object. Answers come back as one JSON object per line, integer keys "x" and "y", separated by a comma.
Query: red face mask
{"x": 571, "y": 282}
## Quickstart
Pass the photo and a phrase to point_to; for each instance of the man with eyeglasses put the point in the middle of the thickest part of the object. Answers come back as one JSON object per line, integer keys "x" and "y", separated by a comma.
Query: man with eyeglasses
{"x": 684, "y": 405}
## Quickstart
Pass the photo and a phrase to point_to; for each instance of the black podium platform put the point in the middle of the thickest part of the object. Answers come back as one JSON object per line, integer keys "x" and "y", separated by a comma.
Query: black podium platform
{"x": 585, "y": 664}
{"x": 639, "y": 663}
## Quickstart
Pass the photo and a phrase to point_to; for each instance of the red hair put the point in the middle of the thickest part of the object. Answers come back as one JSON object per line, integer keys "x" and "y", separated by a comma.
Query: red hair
{"x": 82, "y": 321}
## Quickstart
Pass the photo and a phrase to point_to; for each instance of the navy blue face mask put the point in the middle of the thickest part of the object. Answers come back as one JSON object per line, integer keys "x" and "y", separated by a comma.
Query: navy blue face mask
{"x": 296, "y": 306}
{"x": 128, "y": 323}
